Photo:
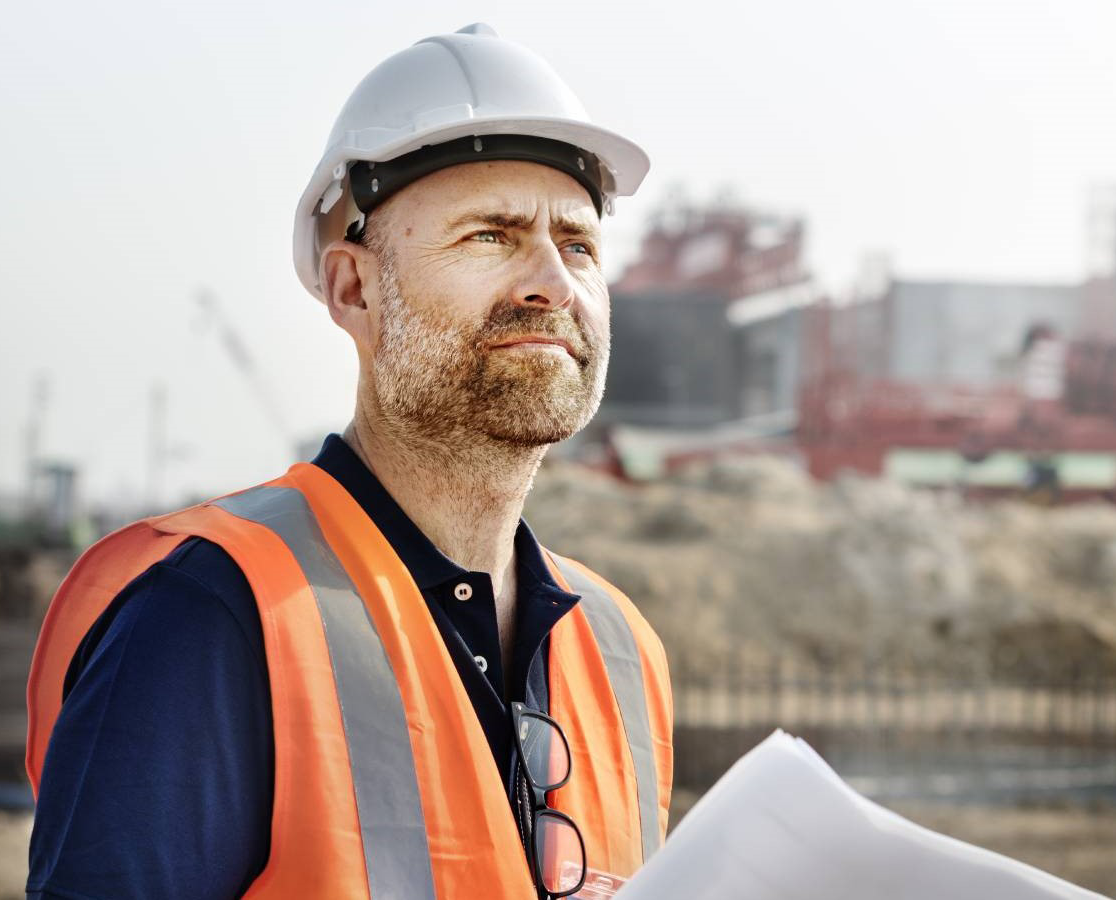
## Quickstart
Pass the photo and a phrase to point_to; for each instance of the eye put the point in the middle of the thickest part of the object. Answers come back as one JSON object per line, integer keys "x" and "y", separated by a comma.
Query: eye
{"x": 486, "y": 237}
{"x": 581, "y": 248}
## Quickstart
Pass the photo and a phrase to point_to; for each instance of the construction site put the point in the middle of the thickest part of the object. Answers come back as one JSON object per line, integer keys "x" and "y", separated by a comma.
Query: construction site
{"x": 883, "y": 521}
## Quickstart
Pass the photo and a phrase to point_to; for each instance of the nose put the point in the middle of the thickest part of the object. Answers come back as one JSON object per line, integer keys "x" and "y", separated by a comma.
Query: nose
{"x": 545, "y": 283}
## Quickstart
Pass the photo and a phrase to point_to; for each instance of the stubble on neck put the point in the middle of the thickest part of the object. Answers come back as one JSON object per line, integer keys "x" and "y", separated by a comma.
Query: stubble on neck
{"x": 464, "y": 491}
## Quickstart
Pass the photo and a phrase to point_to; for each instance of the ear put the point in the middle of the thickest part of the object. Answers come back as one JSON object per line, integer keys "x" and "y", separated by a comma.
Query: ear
{"x": 348, "y": 275}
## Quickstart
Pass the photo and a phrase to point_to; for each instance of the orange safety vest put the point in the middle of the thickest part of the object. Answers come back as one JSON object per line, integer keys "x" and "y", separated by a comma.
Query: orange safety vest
{"x": 385, "y": 786}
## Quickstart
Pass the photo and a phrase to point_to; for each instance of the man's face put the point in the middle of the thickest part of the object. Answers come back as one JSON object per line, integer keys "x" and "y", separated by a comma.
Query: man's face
{"x": 493, "y": 311}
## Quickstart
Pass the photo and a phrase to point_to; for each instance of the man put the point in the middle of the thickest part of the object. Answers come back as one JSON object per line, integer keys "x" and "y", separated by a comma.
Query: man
{"x": 337, "y": 684}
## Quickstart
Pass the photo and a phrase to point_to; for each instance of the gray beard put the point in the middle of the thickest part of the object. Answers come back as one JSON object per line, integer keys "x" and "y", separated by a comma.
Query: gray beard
{"x": 436, "y": 381}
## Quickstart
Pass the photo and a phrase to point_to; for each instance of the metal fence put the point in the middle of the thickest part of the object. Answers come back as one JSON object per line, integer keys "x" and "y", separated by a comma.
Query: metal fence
{"x": 892, "y": 735}
{"x": 897, "y": 735}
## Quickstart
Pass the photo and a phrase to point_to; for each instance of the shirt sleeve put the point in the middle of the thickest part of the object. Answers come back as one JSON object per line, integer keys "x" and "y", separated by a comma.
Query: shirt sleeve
{"x": 158, "y": 777}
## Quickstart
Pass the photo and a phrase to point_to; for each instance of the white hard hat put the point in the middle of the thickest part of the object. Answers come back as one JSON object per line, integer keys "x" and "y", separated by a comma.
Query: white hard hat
{"x": 450, "y": 94}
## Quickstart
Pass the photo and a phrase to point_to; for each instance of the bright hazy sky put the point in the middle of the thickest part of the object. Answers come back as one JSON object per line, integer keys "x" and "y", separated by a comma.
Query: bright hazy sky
{"x": 151, "y": 149}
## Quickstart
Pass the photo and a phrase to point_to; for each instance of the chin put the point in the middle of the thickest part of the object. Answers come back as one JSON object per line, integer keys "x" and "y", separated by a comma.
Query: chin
{"x": 542, "y": 429}
{"x": 529, "y": 439}
{"x": 537, "y": 408}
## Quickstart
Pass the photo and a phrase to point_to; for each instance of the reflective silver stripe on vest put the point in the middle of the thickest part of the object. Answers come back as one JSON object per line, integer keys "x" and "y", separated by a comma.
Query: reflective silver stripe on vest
{"x": 621, "y": 655}
{"x": 392, "y": 827}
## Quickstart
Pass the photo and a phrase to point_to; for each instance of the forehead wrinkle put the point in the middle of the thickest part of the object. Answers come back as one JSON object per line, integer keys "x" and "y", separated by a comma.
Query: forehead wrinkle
{"x": 492, "y": 217}
{"x": 574, "y": 227}
{"x": 559, "y": 223}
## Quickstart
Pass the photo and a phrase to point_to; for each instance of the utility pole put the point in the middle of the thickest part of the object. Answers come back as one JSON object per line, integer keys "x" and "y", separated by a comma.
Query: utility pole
{"x": 40, "y": 397}
{"x": 1099, "y": 291}
{"x": 157, "y": 452}
{"x": 1101, "y": 232}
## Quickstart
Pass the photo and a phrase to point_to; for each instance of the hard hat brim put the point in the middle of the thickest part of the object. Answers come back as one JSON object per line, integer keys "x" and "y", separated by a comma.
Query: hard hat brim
{"x": 624, "y": 161}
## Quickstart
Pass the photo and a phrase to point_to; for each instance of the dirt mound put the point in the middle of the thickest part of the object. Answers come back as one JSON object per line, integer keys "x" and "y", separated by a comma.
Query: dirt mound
{"x": 751, "y": 555}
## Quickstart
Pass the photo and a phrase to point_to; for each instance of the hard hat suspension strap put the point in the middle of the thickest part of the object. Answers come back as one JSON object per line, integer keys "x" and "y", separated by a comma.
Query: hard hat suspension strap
{"x": 373, "y": 182}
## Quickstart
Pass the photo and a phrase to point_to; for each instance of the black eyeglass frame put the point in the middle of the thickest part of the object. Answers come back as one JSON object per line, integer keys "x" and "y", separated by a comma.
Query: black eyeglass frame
{"x": 539, "y": 807}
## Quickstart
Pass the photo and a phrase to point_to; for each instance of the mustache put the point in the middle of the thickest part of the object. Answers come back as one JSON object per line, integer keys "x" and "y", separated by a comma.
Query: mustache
{"x": 508, "y": 321}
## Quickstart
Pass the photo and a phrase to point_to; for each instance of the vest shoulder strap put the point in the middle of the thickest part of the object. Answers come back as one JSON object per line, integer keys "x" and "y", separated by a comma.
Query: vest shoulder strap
{"x": 622, "y": 656}
{"x": 389, "y": 804}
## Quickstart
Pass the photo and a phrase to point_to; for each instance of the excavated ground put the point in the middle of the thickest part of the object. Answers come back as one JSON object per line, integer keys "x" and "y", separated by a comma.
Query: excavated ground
{"x": 751, "y": 556}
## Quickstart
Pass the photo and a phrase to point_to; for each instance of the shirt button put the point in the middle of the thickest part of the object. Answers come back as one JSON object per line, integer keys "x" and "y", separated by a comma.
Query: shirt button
{"x": 463, "y": 591}
{"x": 482, "y": 662}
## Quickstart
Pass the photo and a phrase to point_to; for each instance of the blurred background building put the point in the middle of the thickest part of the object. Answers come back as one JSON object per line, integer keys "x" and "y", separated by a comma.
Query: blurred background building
{"x": 723, "y": 341}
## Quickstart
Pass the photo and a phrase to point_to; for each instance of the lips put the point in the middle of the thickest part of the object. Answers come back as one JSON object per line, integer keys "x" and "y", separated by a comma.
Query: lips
{"x": 535, "y": 339}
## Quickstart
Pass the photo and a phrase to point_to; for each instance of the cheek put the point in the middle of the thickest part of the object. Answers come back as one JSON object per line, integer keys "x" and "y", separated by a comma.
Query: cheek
{"x": 595, "y": 314}
{"x": 457, "y": 292}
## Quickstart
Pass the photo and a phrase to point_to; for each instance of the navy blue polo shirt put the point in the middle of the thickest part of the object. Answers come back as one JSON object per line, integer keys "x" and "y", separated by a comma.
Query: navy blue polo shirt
{"x": 158, "y": 780}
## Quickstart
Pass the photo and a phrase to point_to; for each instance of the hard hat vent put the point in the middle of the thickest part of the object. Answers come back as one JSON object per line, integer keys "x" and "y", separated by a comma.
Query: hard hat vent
{"x": 478, "y": 28}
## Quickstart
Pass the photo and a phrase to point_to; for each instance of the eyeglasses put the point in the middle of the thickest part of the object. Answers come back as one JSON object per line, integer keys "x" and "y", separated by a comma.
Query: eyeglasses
{"x": 557, "y": 847}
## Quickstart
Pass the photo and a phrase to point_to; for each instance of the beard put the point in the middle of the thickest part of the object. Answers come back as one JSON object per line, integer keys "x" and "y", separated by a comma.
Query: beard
{"x": 438, "y": 377}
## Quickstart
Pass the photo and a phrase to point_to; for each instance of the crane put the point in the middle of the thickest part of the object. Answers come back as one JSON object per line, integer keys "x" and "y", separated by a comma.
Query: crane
{"x": 237, "y": 351}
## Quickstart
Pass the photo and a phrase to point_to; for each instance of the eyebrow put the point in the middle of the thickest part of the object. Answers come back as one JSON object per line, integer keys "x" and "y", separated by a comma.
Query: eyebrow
{"x": 560, "y": 224}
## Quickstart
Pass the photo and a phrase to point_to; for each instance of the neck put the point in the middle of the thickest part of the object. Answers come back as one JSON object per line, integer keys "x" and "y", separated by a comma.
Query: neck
{"x": 465, "y": 493}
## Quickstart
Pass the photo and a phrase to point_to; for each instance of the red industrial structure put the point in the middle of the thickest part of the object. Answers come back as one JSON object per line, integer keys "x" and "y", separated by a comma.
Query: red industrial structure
{"x": 992, "y": 387}
{"x": 1061, "y": 401}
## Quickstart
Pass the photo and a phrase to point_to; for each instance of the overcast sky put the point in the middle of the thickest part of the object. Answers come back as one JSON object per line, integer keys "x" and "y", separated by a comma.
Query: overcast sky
{"x": 152, "y": 149}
